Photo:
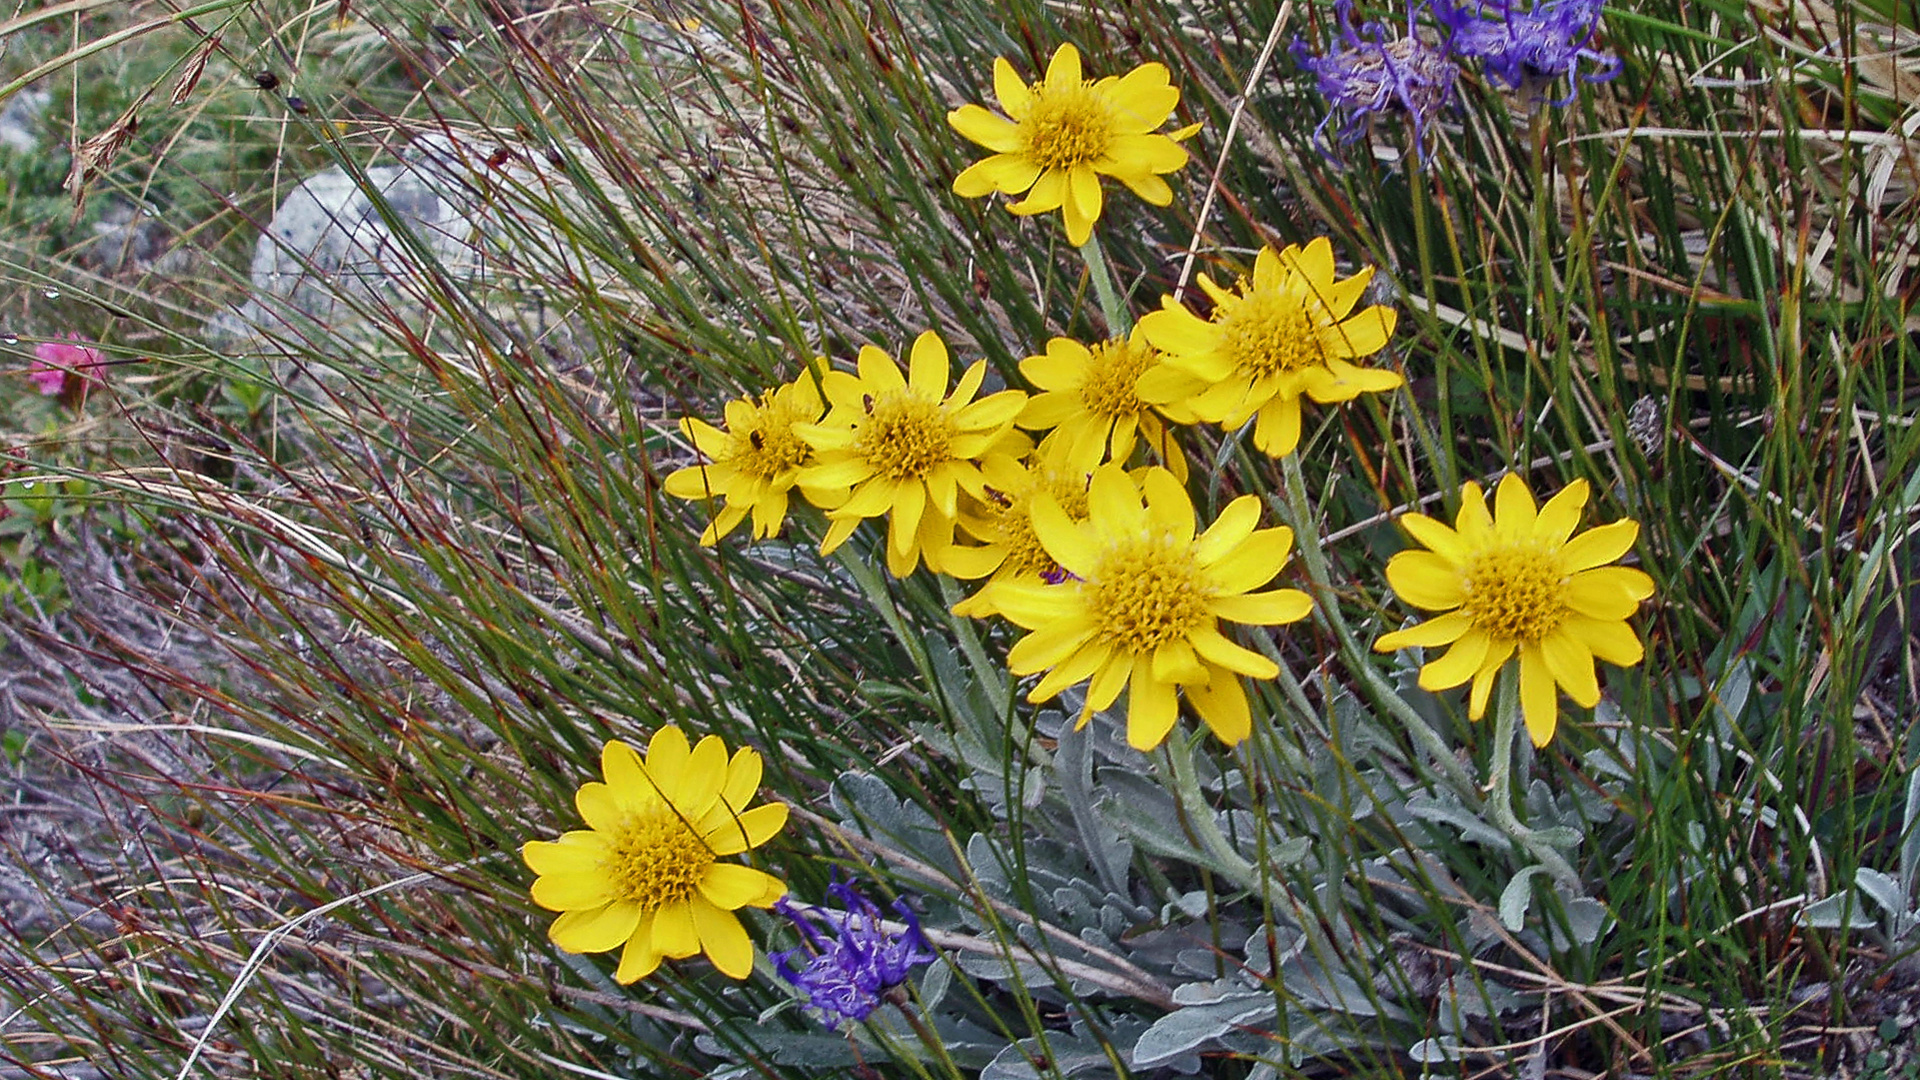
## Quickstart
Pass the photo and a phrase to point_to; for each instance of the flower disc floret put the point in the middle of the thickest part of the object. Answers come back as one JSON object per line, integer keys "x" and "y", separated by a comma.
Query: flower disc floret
{"x": 1141, "y": 608}
{"x": 1055, "y": 138}
{"x": 892, "y": 444}
{"x": 1290, "y": 331}
{"x": 1090, "y": 400}
{"x": 752, "y": 465}
{"x": 1008, "y": 548}
{"x": 1517, "y": 583}
{"x": 646, "y": 875}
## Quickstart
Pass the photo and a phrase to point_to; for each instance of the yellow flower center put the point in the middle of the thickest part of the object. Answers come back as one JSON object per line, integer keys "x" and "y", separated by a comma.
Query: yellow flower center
{"x": 905, "y": 436}
{"x": 1067, "y": 126}
{"x": 657, "y": 860}
{"x": 1013, "y": 521}
{"x": 1516, "y": 592}
{"x": 1107, "y": 391}
{"x": 1270, "y": 332}
{"x": 768, "y": 446}
{"x": 1147, "y": 592}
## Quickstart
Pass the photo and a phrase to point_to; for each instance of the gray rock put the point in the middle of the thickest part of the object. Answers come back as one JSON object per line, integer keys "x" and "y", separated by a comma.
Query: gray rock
{"x": 20, "y": 120}
{"x": 127, "y": 239}
{"x": 344, "y": 253}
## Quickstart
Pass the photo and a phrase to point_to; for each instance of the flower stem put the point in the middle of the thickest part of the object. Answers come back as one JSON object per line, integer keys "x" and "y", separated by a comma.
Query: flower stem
{"x": 1506, "y": 726}
{"x": 1326, "y": 603}
{"x": 1222, "y": 859}
{"x": 1111, "y": 306}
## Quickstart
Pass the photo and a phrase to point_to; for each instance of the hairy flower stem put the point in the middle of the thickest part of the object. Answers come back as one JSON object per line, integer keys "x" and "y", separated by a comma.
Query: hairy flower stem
{"x": 1222, "y": 859}
{"x": 993, "y": 676}
{"x": 1506, "y": 724}
{"x": 1327, "y": 606}
{"x": 873, "y": 585}
{"x": 1095, "y": 256}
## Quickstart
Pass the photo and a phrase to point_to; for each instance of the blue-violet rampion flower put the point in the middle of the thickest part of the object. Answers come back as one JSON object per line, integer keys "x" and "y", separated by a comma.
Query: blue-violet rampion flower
{"x": 1365, "y": 72}
{"x": 854, "y": 961}
{"x": 1528, "y": 46}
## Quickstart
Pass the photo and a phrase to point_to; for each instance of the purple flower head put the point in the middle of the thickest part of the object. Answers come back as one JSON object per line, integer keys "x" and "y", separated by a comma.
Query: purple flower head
{"x": 1365, "y": 72}
{"x": 854, "y": 959}
{"x": 60, "y": 364}
{"x": 1521, "y": 46}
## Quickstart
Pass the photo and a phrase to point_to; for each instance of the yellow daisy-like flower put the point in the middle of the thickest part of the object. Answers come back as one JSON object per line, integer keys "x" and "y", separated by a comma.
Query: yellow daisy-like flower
{"x": 645, "y": 873}
{"x": 1518, "y": 581}
{"x": 1090, "y": 403}
{"x": 1009, "y": 549}
{"x": 1060, "y": 135}
{"x": 754, "y": 463}
{"x": 1288, "y": 332}
{"x": 1141, "y": 610}
{"x": 903, "y": 449}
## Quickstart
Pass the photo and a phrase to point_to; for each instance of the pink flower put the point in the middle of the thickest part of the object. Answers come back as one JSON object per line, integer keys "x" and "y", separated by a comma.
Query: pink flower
{"x": 58, "y": 364}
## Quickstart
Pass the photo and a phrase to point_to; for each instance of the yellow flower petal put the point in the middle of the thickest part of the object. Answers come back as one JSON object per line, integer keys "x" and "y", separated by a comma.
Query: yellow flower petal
{"x": 1443, "y": 630}
{"x": 639, "y": 959}
{"x": 1222, "y": 653}
{"x": 1474, "y": 522}
{"x": 1048, "y": 192}
{"x": 1248, "y": 566}
{"x": 879, "y": 374}
{"x": 1612, "y": 641}
{"x": 1600, "y": 545}
{"x": 1539, "y": 705}
{"x": 1075, "y": 669}
{"x": 1572, "y": 667}
{"x": 1458, "y": 664}
{"x": 929, "y": 366}
{"x": 1015, "y": 96}
{"x": 701, "y": 778}
{"x": 577, "y": 852}
{"x": 667, "y": 755}
{"x": 1513, "y": 511}
{"x": 1436, "y": 537}
{"x": 1607, "y": 592}
{"x": 596, "y": 929}
{"x": 572, "y": 891}
{"x": 1064, "y": 69}
{"x": 599, "y": 806}
{"x": 996, "y": 133}
{"x": 1561, "y": 515}
{"x": 723, "y": 939}
{"x": 1049, "y": 644}
{"x": 1176, "y": 662}
{"x": 1427, "y": 580}
{"x": 743, "y": 777}
{"x": 1277, "y": 432}
{"x": 1222, "y": 705}
{"x": 1232, "y": 528}
{"x": 1030, "y": 604}
{"x": 1108, "y": 681}
{"x": 749, "y": 829}
{"x": 1173, "y": 329}
{"x": 729, "y": 885}
{"x": 1152, "y": 707}
{"x": 1004, "y": 173}
{"x": 674, "y": 933}
{"x": 1263, "y": 608}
